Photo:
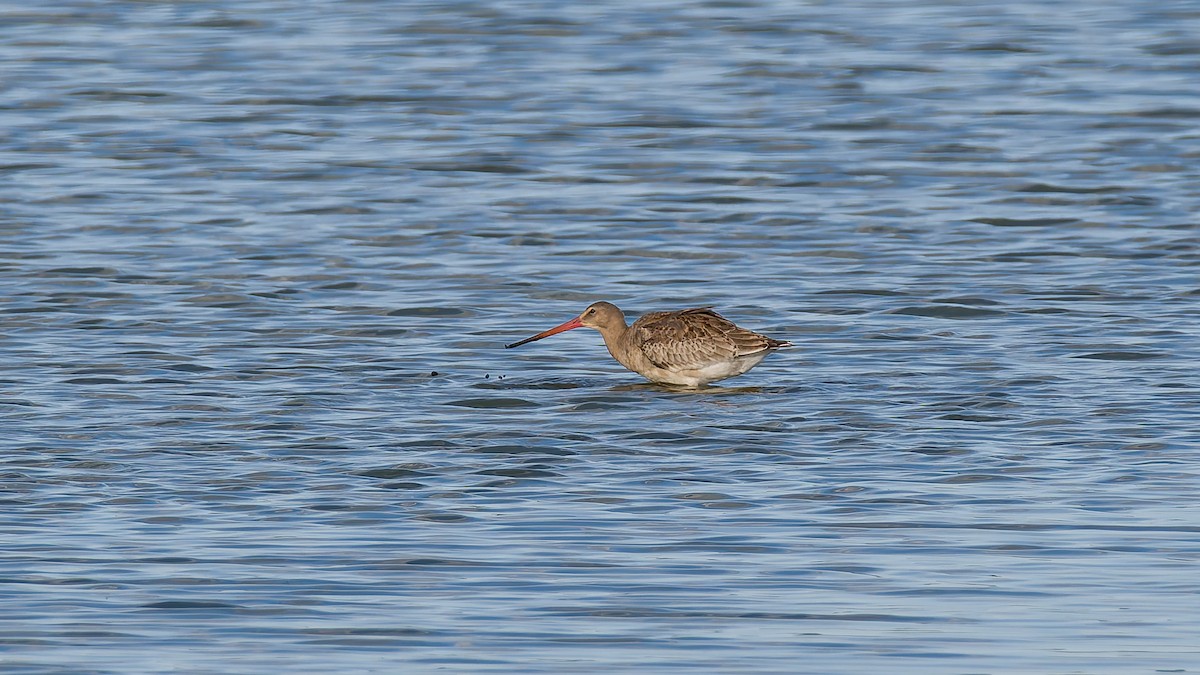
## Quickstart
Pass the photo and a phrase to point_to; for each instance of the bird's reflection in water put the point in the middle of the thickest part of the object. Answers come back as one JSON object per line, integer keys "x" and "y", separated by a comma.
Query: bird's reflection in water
{"x": 709, "y": 390}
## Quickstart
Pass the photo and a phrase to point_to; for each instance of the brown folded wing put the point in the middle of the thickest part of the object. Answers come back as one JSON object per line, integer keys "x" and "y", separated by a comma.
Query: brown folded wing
{"x": 695, "y": 338}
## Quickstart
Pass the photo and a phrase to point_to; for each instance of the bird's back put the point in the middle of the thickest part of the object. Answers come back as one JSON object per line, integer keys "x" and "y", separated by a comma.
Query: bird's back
{"x": 696, "y": 338}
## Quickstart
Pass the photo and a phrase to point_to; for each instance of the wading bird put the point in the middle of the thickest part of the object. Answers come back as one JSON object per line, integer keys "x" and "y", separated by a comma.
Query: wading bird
{"x": 690, "y": 347}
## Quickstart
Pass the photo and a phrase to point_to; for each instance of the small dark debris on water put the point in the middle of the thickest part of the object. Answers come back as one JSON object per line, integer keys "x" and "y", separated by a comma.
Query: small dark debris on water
{"x": 433, "y": 373}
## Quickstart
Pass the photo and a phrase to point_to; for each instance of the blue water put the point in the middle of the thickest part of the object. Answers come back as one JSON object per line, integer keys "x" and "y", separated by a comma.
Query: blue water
{"x": 259, "y": 260}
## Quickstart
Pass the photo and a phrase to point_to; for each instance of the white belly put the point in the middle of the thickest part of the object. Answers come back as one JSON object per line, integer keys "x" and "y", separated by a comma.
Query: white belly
{"x": 699, "y": 377}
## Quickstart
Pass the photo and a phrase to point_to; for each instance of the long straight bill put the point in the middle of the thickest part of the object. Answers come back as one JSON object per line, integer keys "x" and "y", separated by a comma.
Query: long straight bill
{"x": 573, "y": 323}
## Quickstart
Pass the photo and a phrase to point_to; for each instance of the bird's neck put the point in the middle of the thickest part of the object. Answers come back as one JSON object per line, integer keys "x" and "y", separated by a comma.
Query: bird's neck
{"x": 616, "y": 339}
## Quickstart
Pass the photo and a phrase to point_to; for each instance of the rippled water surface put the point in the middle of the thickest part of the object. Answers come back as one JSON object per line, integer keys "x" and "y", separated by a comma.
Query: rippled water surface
{"x": 259, "y": 259}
